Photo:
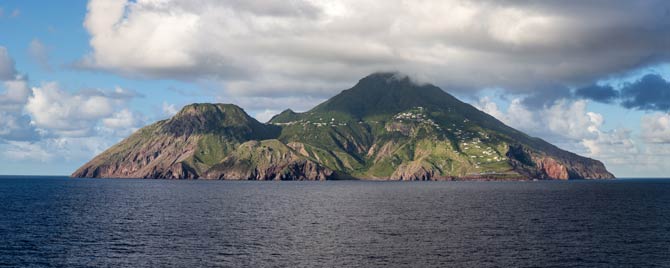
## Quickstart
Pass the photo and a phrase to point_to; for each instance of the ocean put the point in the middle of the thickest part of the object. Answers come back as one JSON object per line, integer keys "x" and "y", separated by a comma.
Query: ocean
{"x": 61, "y": 222}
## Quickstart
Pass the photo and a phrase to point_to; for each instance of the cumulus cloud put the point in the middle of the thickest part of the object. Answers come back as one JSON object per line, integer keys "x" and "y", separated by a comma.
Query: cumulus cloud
{"x": 49, "y": 112}
{"x": 54, "y": 108}
{"x": 615, "y": 146}
{"x": 22, "y": 150}
{"x": 260, "y": 47}
{"x": 14, "y": 93}
{"x": 266, "y": 115}
{"x": 169, "y": 109}
{"x": 74, "y": 114}
{"x": 124, "y": 119}
{"x": 63, "y": 150}
{"x": 572, "y": 120}
{"x": 517, "y": 115}
{"x": 567, "y": 123}
{"x": 564, "y": 120}
{"x": 655, "y": 128}
{"x": 51, "y": 124}
{"x": 16, "y": 127}
{"x": 122, "y": 123}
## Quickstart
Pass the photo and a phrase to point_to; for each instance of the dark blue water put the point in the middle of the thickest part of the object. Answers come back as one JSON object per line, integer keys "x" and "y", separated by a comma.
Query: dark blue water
{"x": 156, "y": 223}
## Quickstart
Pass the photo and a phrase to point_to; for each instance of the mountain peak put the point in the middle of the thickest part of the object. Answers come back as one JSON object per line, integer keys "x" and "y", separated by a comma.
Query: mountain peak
{"x": 391, "y": 78}
{"x": 284, "y": 116}
{"x": 199, "y": 118}
{"x": 208, "y": 108}
{"x": 386, "y": 93}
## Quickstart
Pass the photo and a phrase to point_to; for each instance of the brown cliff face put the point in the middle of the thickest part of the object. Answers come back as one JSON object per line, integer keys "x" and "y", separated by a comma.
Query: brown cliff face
{"x": 161, "y": 156}
{"x": 414, "y": 171}
{"x": 552, "y": 168}
{"x": 537, "y": 165}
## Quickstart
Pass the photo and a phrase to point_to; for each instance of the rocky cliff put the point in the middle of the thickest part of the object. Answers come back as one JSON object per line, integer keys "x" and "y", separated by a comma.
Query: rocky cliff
{"x": 386, "y": 128}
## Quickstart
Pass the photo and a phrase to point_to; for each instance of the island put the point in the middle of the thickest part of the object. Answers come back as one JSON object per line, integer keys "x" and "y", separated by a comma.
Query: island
{"x": 386, "y": 127}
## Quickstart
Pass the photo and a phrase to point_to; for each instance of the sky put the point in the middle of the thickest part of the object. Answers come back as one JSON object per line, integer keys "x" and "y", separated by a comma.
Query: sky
{"x": 76, "y": 77}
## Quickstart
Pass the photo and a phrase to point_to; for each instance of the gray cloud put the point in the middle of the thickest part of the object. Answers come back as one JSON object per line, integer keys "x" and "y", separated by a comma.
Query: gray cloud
{"x": 16, "y": 127}
{"x": 546, "y": 96}
{"x": 604, "y": 94}
{"x": 315, "y": 48}
{"x": 650, "y": 93}
{"x": 15, "y": 94}
{"x": 7, "y": 69}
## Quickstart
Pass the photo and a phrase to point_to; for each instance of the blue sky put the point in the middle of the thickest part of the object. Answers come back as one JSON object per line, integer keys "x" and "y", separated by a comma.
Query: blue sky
{"x": 124, "y": 64}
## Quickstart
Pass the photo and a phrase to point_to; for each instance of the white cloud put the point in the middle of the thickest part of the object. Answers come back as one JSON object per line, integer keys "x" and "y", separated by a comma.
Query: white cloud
{"x": 53, "y": 108}
{"x": 266, "y": 115}
{"x": 655, "y": 128}
{"x": 614, "y": 147}
{"x": 76, "y": 114}
{"x": 568, "y": 124}
{"x": 14, "y": 92}
{"x": 45, "y": 113}
{"x": 168, "y": 35}
{"x": 22, "y": 150}
{"x": 572, "y": 121}
{"x": 169, "y": 109}
{"x": 123, "y": 119}
{"x": 57, "y": 149}
{"x": 517, "y": 115}
{"x": 49, "y": 125}
{"x": 261, "y": 48}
